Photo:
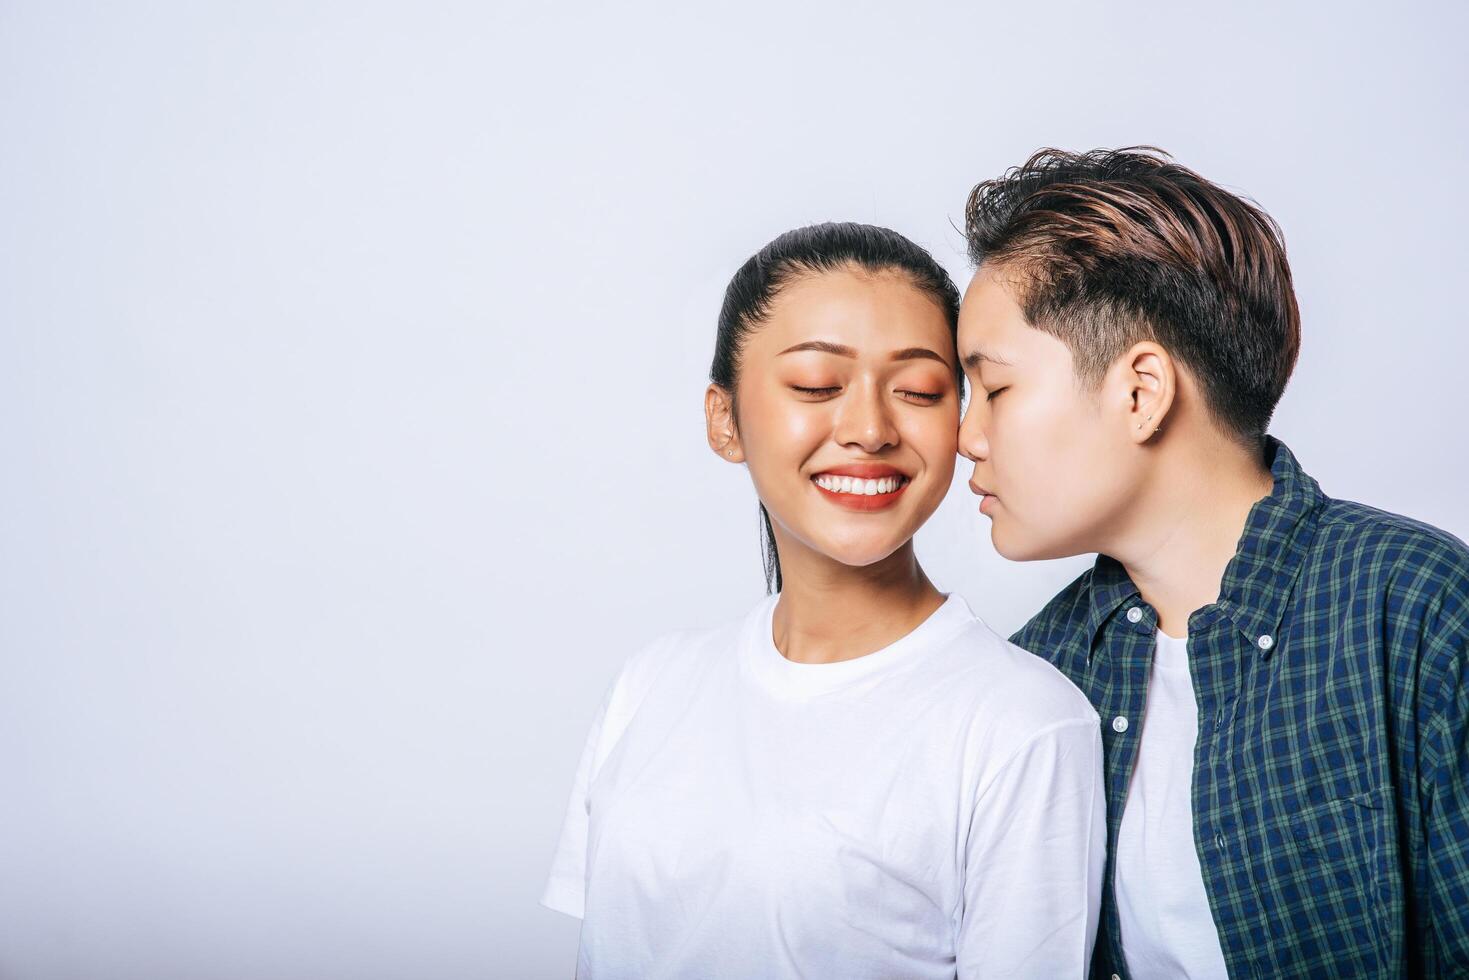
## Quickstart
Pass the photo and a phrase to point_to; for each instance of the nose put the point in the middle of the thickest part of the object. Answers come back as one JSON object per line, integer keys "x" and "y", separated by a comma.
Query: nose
{"x": 974, "y": 445}
{"x": 866, "y": 421}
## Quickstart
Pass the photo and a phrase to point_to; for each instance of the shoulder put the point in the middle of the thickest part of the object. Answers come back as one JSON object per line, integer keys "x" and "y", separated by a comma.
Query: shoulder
{"x": 1013, "y": 694}
{"x": 1065, "y": 611}
{"x": 1413, "y": 581}
{"x": 1389, "y": 537}
{"x": 1421, "y": 571}
{"x": 672, "y": 655}
{"x": 669, "y": 664}
{"x": 1057, "y": 632}
{"x": 1017, "y": 709}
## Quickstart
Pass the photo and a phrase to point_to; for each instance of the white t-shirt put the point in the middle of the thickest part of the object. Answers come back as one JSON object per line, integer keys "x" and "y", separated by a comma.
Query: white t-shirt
{"x": 934, "y": 809}
{"x": 1167, "y": 929}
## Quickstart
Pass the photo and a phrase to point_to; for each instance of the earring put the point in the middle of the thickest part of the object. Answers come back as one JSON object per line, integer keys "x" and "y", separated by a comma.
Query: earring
{"x": 729, "y": 452}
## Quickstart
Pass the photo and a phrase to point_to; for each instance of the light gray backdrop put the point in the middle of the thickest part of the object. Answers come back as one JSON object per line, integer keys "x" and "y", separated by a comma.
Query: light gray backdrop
{"x": 350, "y": 371}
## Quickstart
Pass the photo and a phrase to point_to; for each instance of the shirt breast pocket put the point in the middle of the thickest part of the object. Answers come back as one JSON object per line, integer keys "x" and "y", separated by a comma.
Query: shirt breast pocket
{"x": 1339, "y": 843}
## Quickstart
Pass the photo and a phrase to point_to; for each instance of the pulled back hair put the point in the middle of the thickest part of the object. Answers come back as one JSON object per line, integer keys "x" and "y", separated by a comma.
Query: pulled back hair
{"x": 810, "y": 251}
{"x": 1112, "y": 247}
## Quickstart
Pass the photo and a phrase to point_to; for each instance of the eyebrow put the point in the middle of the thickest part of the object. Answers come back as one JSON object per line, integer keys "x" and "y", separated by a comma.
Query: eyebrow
{"x": 841, "y": 350}
{"x": 975, "y": 358}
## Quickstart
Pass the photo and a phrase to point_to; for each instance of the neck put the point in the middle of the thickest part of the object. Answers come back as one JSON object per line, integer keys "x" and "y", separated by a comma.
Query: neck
{"x": 830, "y": 612}
{"x": 1184, "y": 530}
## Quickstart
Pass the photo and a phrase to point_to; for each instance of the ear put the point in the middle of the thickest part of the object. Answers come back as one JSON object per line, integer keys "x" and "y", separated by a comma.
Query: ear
{"x": 719, "y": 423}
{"x": 1151, "y": 381}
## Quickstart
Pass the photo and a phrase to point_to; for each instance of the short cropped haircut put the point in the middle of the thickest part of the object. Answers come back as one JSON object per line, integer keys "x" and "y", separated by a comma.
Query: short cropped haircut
{"x": 1112, "y": 247}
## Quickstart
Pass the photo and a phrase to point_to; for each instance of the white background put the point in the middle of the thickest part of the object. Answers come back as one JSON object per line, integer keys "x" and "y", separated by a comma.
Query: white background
{"x": 350, "y": 370}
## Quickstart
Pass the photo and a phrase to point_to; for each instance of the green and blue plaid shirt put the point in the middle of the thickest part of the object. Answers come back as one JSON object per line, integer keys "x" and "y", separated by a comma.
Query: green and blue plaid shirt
{"x": 1331, "y": 772}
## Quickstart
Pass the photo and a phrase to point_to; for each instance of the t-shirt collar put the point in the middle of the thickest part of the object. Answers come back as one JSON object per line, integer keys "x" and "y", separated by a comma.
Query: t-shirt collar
{"x": 787, "y": 679}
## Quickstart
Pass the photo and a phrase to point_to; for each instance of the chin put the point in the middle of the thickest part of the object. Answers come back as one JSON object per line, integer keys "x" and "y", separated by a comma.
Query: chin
{"x": 863, "y": 558}
{"x": 1016, "y": 548}
{"x": 860, "y": 555}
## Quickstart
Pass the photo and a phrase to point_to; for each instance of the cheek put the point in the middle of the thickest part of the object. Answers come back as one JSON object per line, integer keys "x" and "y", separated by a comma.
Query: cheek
{"x": 1044, "y": 452}
{"x": 934, "y": 435}
{"x": 805, "y": 427}
{"x": 1078, "y": 492}
{"x": 774, "y": 427}
{"x": 1030, "y": 437}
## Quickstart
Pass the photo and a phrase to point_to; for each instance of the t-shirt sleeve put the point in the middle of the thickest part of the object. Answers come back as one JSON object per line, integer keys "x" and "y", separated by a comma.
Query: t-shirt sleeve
{"x": 1034, "y": 860}
{"x": 566, "y": 886}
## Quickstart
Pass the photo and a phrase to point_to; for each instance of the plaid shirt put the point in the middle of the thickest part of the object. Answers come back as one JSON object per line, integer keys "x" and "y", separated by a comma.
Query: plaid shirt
{"x": 1331, "y": 772}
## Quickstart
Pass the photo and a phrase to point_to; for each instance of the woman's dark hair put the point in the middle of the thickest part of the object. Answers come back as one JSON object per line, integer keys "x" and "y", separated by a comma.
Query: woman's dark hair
{"x": 811, "y": 251}
{"x": 1111, "y": 247}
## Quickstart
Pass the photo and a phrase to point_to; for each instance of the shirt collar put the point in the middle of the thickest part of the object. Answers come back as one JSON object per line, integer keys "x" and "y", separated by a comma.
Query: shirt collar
{"x": 1259, "y": 578}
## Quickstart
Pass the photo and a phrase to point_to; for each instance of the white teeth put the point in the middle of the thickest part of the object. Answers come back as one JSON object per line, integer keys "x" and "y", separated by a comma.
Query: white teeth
{"x": 858, "y": 486}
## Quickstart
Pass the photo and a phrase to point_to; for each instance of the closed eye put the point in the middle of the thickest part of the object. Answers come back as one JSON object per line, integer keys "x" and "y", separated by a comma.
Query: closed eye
{"x": 991, "y": 396}
{"x": 926, "y": 396}
{"x": 829, "y": 390}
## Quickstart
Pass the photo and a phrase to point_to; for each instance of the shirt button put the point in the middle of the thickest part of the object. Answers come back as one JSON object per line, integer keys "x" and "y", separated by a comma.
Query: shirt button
{"x": 1219, "y": 840}
{"x": 1266, "y": 641}
{"x": 1119, "y": 724}
{"x": 1134, "y": 615}
{"x": 1116, "y": 977}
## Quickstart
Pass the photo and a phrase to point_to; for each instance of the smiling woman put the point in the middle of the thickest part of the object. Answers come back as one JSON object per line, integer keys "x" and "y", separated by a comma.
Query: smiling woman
{"x": 860, "y": 778}
{"x": 835, "y": 357}
{"x": 832, "y": 280}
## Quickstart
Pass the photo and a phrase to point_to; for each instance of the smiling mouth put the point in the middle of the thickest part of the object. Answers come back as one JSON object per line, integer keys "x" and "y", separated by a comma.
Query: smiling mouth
{"x": 857, "y": 486}
{"x": 862, "y": 487}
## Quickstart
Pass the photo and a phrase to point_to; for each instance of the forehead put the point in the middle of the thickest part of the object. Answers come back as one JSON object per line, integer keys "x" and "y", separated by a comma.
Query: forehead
{"x": 873, "y": 312}
{"x": 993, "y": 330}
{"x": 989, "y": 315}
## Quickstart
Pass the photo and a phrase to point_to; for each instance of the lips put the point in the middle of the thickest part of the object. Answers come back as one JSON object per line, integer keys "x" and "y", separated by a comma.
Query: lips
{"x": 986, "y": 498}
{"x": 862, "y": 486}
